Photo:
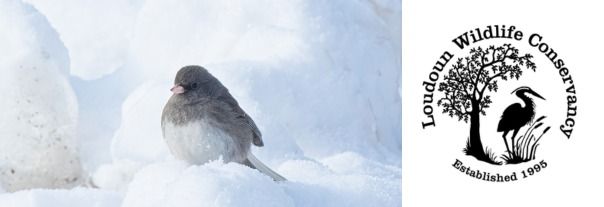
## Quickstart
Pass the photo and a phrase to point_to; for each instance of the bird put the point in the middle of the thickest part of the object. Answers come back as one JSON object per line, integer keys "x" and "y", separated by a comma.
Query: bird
{"x": 202, "y": 122}
{"x": 516, "y": 116}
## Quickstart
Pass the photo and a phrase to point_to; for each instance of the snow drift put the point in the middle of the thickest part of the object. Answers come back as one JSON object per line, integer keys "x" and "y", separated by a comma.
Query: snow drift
{"x": 38, "y": 107}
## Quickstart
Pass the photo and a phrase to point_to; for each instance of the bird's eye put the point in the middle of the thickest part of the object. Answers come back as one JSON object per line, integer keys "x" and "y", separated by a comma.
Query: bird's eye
{"x": 194, "y": 86}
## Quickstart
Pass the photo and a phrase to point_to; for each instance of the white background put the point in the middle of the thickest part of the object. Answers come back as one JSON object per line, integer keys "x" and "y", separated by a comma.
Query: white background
{"x": 574, "y": 175}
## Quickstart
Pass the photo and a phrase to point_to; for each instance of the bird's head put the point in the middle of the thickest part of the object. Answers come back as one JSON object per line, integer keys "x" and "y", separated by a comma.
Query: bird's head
{"x": 195, "y": 82}
{"x": 520, "y": 91}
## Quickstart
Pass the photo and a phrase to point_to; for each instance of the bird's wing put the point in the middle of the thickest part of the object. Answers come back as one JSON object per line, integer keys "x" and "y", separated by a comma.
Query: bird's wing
{"x": 234, "y": 112}
{"x": 257, "y": 140}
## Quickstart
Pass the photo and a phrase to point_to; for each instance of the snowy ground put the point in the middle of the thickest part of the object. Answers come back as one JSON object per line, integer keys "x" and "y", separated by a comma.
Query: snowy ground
{"x": 320, "y": 78}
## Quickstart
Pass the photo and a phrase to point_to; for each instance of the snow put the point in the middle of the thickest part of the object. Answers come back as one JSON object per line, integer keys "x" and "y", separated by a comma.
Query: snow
{"x": 141, "y": 124}
{"x": 39, "y": 108}
{"x": 327, "y": 183}
{"x": 65, "y": 198}
{"x": 321, "y": 79}
{"x": 213, "y": 184}
{"x": 316, "y": 58}
{"x": 173, "y": 183}
{"x": 98, "y": 39}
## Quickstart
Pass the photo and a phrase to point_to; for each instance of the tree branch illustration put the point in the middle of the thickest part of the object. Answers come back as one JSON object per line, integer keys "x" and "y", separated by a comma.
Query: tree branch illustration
{"x": 472, "y": 76}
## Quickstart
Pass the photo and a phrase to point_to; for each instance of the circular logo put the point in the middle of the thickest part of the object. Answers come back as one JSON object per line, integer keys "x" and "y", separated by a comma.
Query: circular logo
{"x": 506, "y": 97}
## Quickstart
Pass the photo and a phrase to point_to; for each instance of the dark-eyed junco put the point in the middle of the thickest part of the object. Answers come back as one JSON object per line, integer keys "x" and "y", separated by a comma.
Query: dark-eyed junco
{"x": 203, "y": 122}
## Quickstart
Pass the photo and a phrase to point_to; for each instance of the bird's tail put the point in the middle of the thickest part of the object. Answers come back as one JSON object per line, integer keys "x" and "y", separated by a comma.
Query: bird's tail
{"x": 255, "y": 163}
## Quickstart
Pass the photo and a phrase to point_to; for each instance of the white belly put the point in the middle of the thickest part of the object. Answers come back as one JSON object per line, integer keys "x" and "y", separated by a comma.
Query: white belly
{"x": 198, "y": 142}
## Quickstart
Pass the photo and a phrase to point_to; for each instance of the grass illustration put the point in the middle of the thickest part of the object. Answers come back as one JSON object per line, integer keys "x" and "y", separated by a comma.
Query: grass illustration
{"x": 525, "y": 147}
{"x": 488, "y": 156}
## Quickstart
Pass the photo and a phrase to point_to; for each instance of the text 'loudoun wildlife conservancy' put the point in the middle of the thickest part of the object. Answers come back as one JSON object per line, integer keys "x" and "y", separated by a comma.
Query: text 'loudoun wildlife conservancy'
{"x": 511, "y": 33}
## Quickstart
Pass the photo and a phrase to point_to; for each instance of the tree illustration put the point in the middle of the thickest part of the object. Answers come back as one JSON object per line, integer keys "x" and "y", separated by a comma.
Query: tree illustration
{"x": 468, "y": 82}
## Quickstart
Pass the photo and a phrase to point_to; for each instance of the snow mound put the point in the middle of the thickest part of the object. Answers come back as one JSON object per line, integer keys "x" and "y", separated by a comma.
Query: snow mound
{"x": 138, "y": 141}
{"x": 77, "y": 197}
{"x": 95, "y": 32}
{"x": 206, "y": 32}
{"x": 332, "y": 183}
{"x": 116, "y": 176}
{"x": 141, "y": 123}
{"x": 213, "y": 184}
{"x": 39, "y": 108}
{"x": 311, "y": 183}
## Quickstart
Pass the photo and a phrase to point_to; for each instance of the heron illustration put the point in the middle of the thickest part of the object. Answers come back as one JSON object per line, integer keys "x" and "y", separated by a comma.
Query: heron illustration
{"x": 515, "y": 116}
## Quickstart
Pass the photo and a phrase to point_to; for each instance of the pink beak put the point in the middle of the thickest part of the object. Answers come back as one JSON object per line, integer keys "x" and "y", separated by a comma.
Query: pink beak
{"x": 177, "y": 89}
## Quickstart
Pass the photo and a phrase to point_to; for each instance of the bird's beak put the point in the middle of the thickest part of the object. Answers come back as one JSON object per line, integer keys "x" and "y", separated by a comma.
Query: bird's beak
{"x": 177, "y": 89}
{"x": 537, "y": 95}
